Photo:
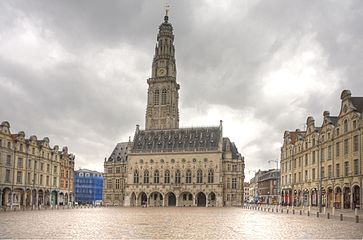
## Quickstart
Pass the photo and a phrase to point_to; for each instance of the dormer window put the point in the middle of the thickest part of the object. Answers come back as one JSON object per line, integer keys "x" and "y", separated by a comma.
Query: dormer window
{"x": 337, "y": 132}
{"x": 345, "y": 126}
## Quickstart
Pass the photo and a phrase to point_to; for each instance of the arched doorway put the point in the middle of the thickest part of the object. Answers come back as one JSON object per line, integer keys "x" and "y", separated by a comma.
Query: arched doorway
{"x": 338, "y": 197}
{"x": 323, "y": 197}
{"x": 201, "y": 199}
{"x": 40, "y": 197}
{"x": 143, "y": 199}
{"x": 306, "y": 197}
{"x": 54, "y": 198}
{"x": 171, "y": 199}
{"x": 28, "y": 198}
{"x": 329, "y": 198}
{"x": 133, "y": 200}
{"x": 356, "y": 197}
{"x": 186, "y": 199}
{"x": 156, "y": 199}
{"x": 346, "y": 197}
{"x": 212, "y": 199}
{"x": 314, "y": 197}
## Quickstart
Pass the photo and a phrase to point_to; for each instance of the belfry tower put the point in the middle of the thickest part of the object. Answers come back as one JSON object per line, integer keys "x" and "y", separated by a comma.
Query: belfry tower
{"x": 162, "y": 111}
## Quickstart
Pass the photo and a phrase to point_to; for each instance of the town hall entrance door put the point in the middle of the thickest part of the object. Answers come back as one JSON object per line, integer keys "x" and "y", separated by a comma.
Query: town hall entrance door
{"x": 201, "y": 200}
{"x": 171, "y": 200}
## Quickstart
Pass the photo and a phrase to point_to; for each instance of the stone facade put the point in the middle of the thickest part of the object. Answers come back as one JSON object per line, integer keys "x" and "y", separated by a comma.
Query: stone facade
{"x": 328, "y": 158}
{"x": 166, "y": 165}
{"x": 33, "y": 174}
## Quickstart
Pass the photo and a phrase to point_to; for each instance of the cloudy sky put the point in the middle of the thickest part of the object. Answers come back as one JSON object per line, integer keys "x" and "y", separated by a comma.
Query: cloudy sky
{"x": 76, "y": 71}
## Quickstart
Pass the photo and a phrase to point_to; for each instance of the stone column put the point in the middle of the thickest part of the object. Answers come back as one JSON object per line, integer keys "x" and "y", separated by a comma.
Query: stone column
{"x": 24, "y": 198}
{"x": 58, "y": 198}
{"x": 342, "y": 200}
{"x": 176, "y": 200}
{"x": 351, "y": 198}
{"x": 11, "y": 199}
{"x": 36, "y": 198}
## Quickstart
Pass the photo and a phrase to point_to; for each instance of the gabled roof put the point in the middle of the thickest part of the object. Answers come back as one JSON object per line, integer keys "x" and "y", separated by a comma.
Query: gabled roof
{"x": 119, "y": 154}
{"x": 177, "y": 140}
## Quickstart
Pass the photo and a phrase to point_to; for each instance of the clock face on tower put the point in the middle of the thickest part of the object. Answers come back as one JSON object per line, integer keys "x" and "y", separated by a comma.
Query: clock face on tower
{"x": 161, "y": 72}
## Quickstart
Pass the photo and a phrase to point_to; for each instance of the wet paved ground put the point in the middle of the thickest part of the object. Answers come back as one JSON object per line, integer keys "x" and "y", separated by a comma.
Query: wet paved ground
{"x": 204, "y": 223}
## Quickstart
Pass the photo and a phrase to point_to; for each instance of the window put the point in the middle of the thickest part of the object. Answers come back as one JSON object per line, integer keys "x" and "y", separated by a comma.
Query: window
{"x": 329, "y": 152}
{"x": 354, "y": 124}
{"x": 47, "y": 181}
{"x": 109, "y": 183}
{"x": 41, "y": 179}
{"x": 156, "y": 176}
{"x": 48, "y": 167}
{"x": 109, "y": 170}
{"x": 337, "y": 170}
{"x": 337, "y": 131}
{"x": 8, "y": 160}
{"x": 234, "y": 168}
{"x": 313, "y": 157}
{"x": 167, "y": 177}
{"x": 35, "y": 165}
{"x": 199, "y": 176}
{"x": 163, "y": 97}
{"x": 177, "y": 177}
{"x": 7, "y": 175}
{"x": 146, "y": 176}
{"x": 188, "y": 177}
{"x": 136, "y": 176}
{"x": 337, "y": 149}
{"x": 156, "y": 97}
{"x": 322, "y": 172}
{"x": 306, "y": 175}
{"x": 210, "y": 176}
{"x": 330, "y": 171}
{"x": 118, "y": 169}
{"x": 21, "y": 147}
{"x": 356, "y": 167}
{"x": 313, "y": 174}
{"x": 306, "y": 160}
{"x": 19, "y": 177}
{"x": 345, "y": 126}
{"x": 20, "y": 162}
{"x": 41, "y": 166}
{"x": 346, "y": 168}
{"x": 300, "y": 177}
{"x": 322, "y": 154}
{"x": 228, "y": 183}
{"x": 355, "y": 143}
{"x": 346, "y": 146}
{"x": 9, "y": 144}
{"x": 117, "y": 185}
{"x": 234, "y": 183}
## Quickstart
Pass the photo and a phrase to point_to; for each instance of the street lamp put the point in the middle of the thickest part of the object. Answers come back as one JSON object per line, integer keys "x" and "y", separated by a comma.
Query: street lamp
{"x": 278, "y": 179}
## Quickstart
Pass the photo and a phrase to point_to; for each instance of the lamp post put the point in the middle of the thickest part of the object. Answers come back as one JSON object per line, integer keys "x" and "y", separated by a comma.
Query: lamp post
{"x": 278, "y": 179}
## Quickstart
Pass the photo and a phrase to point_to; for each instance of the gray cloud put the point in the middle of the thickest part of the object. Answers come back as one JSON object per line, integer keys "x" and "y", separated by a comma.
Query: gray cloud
{"x": 76, "y": 70}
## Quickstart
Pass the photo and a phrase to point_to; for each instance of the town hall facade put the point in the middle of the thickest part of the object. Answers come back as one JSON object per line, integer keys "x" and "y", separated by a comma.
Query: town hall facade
{"x": 165, "y": 165}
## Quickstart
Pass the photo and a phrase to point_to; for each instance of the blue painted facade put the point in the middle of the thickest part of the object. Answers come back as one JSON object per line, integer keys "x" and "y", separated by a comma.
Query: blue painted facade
{"x": 88, "y": 186}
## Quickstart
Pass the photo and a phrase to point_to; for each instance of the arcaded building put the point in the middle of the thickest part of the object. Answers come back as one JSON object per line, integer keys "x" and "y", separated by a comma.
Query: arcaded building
{"x": 165, "y": 165}
{"x": 325, "y": 160}
{"x": 32, "y": 173}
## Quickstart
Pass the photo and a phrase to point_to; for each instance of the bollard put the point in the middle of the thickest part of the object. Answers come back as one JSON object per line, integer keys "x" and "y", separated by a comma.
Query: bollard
{"x": 356, "y": 211}
{"x": 317, "y": 214}
{"x": 328, "y": 215}
{"x": 287, "y": 211}
{"x": 357, "y": 219}
{"x": 272, "y": 210}
{"x": 268, "y": 210}
{"x": 293, "y": 211}
{"x": 282, "y": 210}
{"x": 300, "y": 212}
{"x": 341, "y": 217}
{"x": 308, "y": 213}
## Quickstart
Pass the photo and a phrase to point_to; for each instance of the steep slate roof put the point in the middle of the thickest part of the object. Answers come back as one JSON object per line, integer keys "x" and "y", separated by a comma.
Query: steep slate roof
{"x": 333, "y": 120}
{"x": 177, "y": 140}
{"x": 119, "y": 154}
{"x": 357, "y": 103}
{"x": 232, "y": 146}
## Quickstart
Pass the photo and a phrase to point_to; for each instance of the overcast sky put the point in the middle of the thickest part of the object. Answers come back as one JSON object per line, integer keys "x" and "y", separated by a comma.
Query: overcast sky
{"x": 76, "y": 71}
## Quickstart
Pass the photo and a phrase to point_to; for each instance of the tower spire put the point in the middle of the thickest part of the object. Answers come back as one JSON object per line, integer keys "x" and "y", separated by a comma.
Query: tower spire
{"x": 166, "y": 18}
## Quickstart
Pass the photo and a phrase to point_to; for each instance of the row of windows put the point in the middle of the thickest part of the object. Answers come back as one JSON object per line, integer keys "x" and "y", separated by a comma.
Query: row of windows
{"x": 157, "y": 97}
{"x": 32, "y": 164}
{"x": 315, "y": 154}
{"x": 35, "y": 180}
{"x": 117, "y": 169}
{"x": 188, "y": 176}
{"x": 23, "y": 149}
{"x": 314, "y": 173}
